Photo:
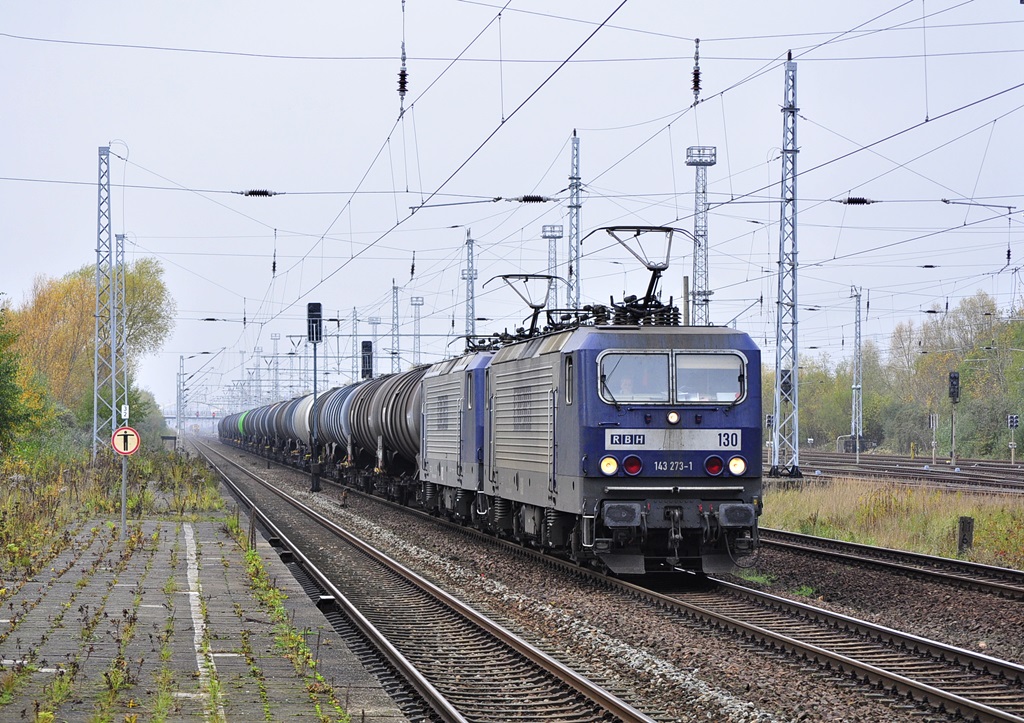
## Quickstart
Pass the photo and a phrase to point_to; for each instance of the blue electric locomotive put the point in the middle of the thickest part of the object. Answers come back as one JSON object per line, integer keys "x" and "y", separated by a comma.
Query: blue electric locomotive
{"x": 616, "y": 437}
{"x": 636, "y": 448}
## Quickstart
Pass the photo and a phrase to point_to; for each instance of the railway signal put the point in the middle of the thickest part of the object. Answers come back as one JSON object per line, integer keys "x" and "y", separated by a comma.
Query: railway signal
{"x": 954, "y": 386}
{"x": 1012, "y": 420}
{"x": 314, "y": 330}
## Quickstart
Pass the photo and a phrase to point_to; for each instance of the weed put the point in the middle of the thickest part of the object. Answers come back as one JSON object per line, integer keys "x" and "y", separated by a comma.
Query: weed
{"x": 754, "y": 576}
{"x": 905, "y": 518}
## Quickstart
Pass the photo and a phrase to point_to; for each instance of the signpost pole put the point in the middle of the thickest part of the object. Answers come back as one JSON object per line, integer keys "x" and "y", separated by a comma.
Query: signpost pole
{"x": 126, "y": 442}
{"x": 124, "y": 496}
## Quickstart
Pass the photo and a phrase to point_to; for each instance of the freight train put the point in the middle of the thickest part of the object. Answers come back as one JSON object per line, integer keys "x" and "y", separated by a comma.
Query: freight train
{"x": 614, "y": 436}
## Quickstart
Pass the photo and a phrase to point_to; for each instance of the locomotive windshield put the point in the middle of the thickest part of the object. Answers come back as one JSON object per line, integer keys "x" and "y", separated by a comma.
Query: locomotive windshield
{"x": 708, "y": 377}
{"x": 650, "y": 378}
{"x": 635, "y": 377}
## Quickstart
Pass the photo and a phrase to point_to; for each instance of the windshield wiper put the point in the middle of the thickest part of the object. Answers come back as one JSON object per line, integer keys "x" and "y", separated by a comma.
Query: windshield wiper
{"x": 604, "y": 385}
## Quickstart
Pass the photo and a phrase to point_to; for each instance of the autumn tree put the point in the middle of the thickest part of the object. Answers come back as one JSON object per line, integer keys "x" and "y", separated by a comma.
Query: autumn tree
{"x": 56, "y": 329}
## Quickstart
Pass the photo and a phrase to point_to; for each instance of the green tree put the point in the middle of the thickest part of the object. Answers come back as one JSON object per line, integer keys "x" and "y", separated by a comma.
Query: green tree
{"x": 12, "y": 411}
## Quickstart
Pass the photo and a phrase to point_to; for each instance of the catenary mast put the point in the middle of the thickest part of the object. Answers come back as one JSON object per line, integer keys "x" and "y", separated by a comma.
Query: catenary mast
{"x": 469, "y": 274}
{"x": 786, "y": 417}
{"x": 110, "y": 379}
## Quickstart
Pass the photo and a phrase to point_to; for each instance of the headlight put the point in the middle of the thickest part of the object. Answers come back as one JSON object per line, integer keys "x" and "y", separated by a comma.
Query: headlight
{"x": 609, "y": 465}
{"x": 737, "y": 466}
{"x": 673, "y": 417}
{"x": 714, "y": 465}
{"x": 632, "y": 465}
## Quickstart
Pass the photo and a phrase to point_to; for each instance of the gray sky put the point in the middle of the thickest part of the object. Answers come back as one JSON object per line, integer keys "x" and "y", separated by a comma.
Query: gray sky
{"x": 200, "y": 102}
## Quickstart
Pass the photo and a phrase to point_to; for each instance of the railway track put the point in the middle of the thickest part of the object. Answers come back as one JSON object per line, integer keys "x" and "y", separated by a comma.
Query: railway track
{"x": 947, "y": 678}
{"x": 986, "y": 476}
{"x": 464, "y": 665}
{"x": 985, "y": 578}
{"x": 943, "y": 677}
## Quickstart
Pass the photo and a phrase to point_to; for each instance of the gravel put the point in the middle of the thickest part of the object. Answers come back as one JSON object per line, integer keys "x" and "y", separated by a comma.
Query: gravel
{"x": 967, "y": 619}
{"x": 675, "y": 671}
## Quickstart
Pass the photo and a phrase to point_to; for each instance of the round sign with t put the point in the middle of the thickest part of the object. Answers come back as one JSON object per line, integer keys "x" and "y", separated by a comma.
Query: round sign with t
{"x": 125, "y": 441}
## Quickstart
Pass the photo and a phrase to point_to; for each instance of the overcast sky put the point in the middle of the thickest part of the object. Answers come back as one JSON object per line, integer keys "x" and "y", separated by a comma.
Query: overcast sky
{"x": 907, "y": 104}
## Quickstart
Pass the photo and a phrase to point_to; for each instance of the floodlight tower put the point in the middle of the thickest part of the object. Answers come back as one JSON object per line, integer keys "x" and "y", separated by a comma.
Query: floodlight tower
{"x": 786, "y": 430}
{"x": 857, "y": 411}
{"x": 417, "y": 303}
{"x": 700, "y": 157}
{"x": 553, "y": 234}
{"x": 572, "y": 293}
{"x": 469, "y": 274}
{"x": 396, "y": 362}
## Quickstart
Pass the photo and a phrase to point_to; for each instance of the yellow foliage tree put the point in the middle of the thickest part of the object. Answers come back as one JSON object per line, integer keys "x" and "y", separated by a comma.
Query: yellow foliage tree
{"x": 56, "y": 329}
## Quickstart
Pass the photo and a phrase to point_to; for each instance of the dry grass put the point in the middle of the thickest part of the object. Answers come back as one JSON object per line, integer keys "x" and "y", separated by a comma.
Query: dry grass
{"x": 920, "y": 520}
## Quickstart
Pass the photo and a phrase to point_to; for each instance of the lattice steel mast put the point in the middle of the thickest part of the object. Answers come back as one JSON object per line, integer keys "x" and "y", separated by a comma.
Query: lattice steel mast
{"x": 857, "y": 410}
{"x": 572, "y": 292}
{"x": 396, "y": 356}
{"x": 469, "y": 274}
{"x": 276, "y": 337}
{"x": 786, "y": 430}
{"x": 417, "y": 304}
{"x": 356, "y": 360}
{"x": 700, "y": 157}
{"x": 109, "y": 391}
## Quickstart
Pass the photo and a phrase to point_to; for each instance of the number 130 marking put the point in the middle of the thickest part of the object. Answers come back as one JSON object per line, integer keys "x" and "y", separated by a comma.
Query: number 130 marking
{"x": 728, "y": 439}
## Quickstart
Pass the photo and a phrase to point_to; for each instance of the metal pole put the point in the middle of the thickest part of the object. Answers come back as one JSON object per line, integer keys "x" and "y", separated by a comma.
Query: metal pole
{"x": 952, "y": 437}
{"x": 124, "y": 496}
{"x": 314, "y": 465}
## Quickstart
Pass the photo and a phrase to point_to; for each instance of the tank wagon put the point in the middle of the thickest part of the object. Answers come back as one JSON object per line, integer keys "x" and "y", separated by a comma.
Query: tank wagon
{"x": 619, "y": 439}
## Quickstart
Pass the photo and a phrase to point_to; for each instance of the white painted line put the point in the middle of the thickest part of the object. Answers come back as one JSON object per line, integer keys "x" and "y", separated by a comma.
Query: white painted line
{"x": 204, "y": 662}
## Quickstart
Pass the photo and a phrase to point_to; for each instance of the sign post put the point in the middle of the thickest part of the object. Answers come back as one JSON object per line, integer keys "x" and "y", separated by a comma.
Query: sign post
{"x": 126, "y": 442}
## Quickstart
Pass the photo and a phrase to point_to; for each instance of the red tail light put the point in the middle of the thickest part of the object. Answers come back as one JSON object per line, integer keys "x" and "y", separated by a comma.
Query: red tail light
{"x": 632, "y": 465}
{"x": 714, "y": 465}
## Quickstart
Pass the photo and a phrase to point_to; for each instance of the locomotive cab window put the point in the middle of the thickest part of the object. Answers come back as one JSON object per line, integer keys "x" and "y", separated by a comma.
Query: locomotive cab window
{"x": 709, "y": 378}
{"x": 634, "y": 377}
